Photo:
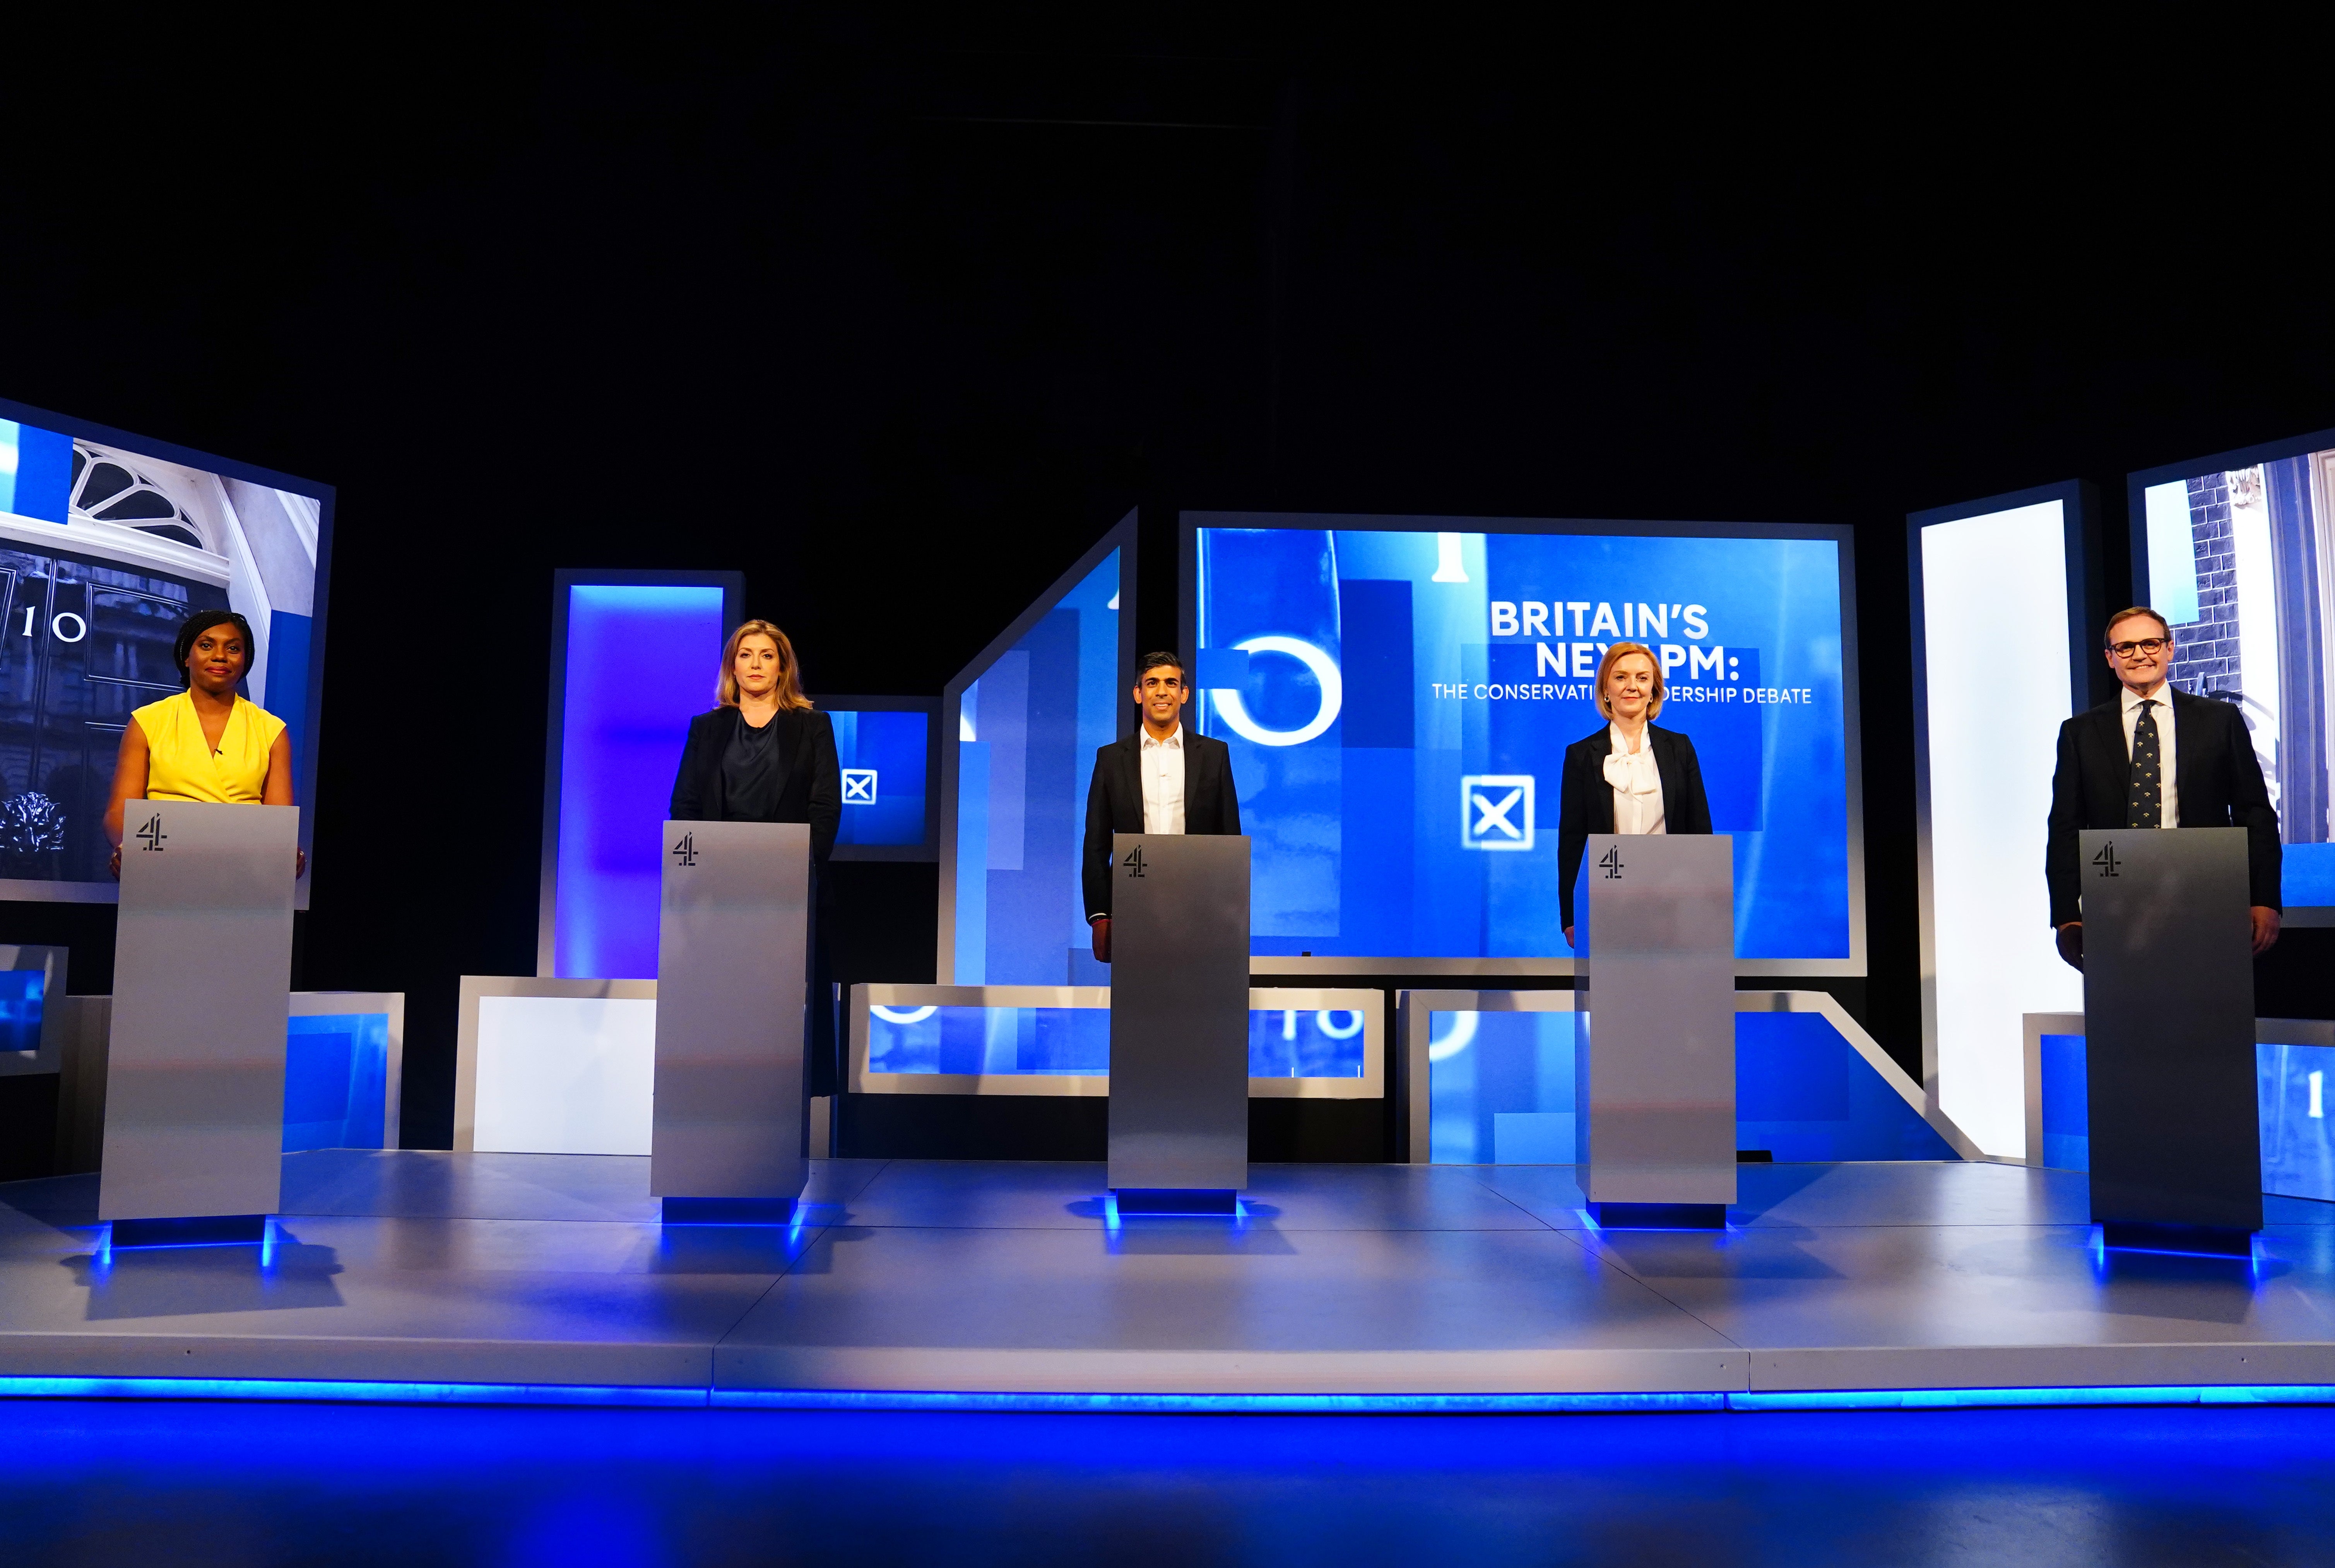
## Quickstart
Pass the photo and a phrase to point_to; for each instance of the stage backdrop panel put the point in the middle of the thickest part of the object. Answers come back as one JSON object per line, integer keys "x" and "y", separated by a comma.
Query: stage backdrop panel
{"x": 2238, "y": 551}
{"x": 1491, "y": 1082}
{"x": 2003, "y": 608}
{"x": 1021, "y": 725}
{"x": 1399, "y": 692}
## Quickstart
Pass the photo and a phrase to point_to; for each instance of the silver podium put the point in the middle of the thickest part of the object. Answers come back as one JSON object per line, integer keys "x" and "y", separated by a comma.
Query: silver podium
{"x": 1178, "y": 1022}
{"x": 2169, "y": 1038}
{"x": 1655, "y": 1060}
{"x": 726, "y": 1142}
{"x": 202, "y": 982}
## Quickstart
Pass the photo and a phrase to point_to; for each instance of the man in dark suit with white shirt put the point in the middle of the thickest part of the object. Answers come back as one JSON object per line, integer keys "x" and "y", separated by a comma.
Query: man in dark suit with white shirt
{"x": 1162, "y": 779}
{"x": 2156, "y": 758}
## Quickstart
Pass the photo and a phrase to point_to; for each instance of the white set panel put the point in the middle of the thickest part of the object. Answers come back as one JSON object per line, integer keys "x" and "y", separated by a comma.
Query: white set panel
{"x": 554, "y": 1066}
{"x": 1994, "y": 602}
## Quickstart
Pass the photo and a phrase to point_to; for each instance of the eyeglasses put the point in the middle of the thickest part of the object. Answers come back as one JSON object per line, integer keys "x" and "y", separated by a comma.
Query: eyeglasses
{"x": 2145, "y": 645}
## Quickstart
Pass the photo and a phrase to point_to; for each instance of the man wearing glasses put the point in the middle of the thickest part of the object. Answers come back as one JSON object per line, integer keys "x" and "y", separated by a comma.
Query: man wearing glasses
{"x": 2156, "y": 758}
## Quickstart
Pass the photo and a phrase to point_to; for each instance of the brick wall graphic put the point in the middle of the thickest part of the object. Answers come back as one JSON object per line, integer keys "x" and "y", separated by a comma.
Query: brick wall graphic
{"x": 2206, "y": 650}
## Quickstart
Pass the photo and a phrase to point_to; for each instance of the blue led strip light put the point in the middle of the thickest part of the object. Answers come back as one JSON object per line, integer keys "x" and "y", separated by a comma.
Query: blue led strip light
{"x": 68, "y": 1388}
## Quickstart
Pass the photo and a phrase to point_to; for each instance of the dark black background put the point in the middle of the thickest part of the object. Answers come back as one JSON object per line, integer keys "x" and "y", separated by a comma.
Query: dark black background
{"x": 898, "y": 318}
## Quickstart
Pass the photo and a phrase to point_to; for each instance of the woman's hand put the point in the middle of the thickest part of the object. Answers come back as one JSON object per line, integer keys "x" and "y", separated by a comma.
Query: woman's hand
{"x": 113, "y": 863}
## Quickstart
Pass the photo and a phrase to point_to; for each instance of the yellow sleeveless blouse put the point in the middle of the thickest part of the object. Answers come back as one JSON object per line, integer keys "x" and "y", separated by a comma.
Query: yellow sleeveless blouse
{"x": 182, "y": 766}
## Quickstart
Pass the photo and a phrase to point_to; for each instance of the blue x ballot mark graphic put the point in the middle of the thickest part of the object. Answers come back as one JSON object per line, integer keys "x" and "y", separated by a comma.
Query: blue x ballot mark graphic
{"x": 1496, "y": 812}
{"x": 860, "y": 785}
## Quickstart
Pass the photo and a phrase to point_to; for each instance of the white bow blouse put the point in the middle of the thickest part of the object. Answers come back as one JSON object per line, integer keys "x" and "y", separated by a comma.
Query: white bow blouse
{"x": 1637, "y": 784}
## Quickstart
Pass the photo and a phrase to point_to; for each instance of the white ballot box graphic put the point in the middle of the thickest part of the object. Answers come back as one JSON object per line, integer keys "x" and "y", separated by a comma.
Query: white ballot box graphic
{"x": 1654, "y": 1069}
{"x": 202, "y": 977}
{"x": 1178, "y": 1022}
{"x": 2175, "y": 1129}
{"x": 727, "y": 1134}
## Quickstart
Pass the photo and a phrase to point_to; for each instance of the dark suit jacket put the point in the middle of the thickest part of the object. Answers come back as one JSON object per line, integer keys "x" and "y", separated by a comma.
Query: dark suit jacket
{"x": 1115, "y": 803}
{"x": 1585, "y": 802}
{"x": 2217, "y": 780}
{"x": 813, "y": 791}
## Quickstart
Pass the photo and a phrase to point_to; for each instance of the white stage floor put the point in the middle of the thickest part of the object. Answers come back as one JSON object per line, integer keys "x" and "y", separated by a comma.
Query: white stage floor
{"x": 1371, "y": 1281}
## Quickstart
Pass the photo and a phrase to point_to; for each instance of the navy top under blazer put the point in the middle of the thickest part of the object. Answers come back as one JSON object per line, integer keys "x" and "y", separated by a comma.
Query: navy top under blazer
{"x": 2217, "y": 783}
{"x": 1586, "y": 800}
{"x": 812, "y": 790}
{"x": 1115, "y": 802}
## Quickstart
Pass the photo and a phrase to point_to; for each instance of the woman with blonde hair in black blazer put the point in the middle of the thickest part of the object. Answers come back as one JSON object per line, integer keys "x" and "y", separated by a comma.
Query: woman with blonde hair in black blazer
{"x": 1629, "y": 777}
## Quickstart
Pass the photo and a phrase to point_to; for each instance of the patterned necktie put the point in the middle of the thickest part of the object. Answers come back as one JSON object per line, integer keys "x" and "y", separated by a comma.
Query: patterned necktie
{"x": 2145, "y": 808}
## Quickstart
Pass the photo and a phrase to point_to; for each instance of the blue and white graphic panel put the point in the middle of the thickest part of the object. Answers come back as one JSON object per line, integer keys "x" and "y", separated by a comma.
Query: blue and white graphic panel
{"x": 1025, "y": 733}
{"x": 1398, "y": 700}
{"x": 884, "y": 754}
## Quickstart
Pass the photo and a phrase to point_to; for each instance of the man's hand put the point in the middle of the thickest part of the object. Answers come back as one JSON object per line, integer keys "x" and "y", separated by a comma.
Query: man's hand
{"x": 2265, "y": 928}
{"x": 1568, "y": 937}
{"x": 1100, "y": 927}
{"x": 2071, "y": 943}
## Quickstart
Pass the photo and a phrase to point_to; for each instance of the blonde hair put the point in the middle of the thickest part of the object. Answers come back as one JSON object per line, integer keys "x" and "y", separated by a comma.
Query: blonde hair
{"x": 1606, "y": 666}
{"x": 789, "y": 687}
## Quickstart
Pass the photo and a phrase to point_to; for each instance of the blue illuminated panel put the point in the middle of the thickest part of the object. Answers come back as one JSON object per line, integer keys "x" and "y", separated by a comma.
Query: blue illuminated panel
{"x": 1500, "y": 1092}
{"x": 2298, "y": 1136}
{"x": 2291, "y": 1084}
{"x": 336, "y": 1078}
{"x": 1076, "y": 1041}
{"x": 641, "y": 662}
{"x": 1399, "y": 703}
{"x": 2066, "y": 1104}
{"x": 882, "y": 752}
{"x": 21, "y": 998}
{"x": 1027, "y": 733}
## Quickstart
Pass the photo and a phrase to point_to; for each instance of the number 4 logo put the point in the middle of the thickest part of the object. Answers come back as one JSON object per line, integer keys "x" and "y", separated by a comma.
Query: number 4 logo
{"x": 2107, "y": 860}
{"x": 685, "y": 852}
{"x": 151, "y": 837}
{"x": 1134, "y": 861}
{"x": 1611, "y": 861}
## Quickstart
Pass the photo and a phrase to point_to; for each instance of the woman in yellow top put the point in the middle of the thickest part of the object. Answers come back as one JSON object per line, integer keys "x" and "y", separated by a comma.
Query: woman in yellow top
{"x": 207, "y": 743}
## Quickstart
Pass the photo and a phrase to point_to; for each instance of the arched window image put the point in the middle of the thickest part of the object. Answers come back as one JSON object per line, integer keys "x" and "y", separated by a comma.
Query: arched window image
{"x": 109, "y": 487}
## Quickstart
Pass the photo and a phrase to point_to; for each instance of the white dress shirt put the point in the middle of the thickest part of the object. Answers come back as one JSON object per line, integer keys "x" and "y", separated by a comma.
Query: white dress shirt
{"x": 2163, "y": 712}
{"x": 1163, "y": 782}
{"x": 1637, "y": 784}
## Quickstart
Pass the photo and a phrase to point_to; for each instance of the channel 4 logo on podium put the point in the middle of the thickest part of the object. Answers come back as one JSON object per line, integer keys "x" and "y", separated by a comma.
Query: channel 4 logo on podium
{"x": 1496, "y": 812}
{"x": 860, "y": 785}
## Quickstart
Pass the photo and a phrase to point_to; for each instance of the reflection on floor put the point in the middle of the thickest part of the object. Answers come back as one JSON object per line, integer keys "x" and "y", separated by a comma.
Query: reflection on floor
{"x": 1376, "y": 1282}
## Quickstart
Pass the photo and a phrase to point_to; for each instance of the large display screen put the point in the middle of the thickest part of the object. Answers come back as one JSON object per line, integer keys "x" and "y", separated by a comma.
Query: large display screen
{"x": 107, "y": 542}
{"x": 2238, "y": 552}
{"x": 1399, "y": 693}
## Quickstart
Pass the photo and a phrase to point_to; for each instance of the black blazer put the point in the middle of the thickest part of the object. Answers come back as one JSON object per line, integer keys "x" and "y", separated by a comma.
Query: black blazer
{"x": 813, "y": 791}
{"x": 1115, "y": 803}
{"x": 1585, "y": 802}
{"x": 2216, "y": 775}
